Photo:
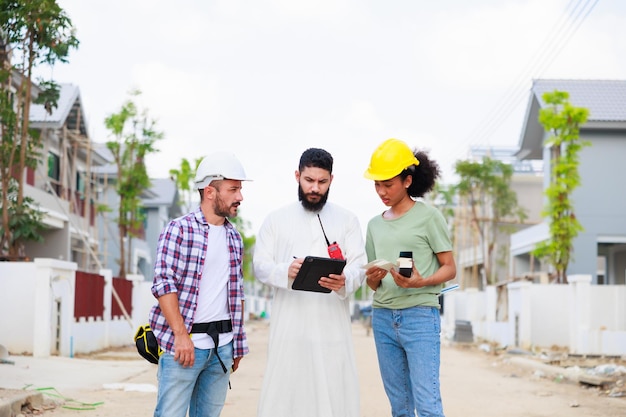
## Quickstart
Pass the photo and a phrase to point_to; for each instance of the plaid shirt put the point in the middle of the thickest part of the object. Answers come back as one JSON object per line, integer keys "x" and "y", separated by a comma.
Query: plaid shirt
{"x": 179, "y": 263}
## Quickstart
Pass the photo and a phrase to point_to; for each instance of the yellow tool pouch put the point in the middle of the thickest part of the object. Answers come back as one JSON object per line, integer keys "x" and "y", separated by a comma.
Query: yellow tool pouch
{"x": 147, "y": 344}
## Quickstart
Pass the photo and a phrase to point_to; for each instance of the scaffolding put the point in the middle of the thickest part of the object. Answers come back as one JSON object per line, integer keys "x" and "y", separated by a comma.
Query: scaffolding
{"x": 72, "y": 181}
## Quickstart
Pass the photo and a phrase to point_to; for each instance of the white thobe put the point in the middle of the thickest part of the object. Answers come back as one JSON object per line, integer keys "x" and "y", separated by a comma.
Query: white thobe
{"x": 311, "y": 369}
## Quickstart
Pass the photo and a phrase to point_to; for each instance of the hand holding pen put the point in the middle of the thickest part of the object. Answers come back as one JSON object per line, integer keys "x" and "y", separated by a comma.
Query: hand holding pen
{"x": 294, "y": 268}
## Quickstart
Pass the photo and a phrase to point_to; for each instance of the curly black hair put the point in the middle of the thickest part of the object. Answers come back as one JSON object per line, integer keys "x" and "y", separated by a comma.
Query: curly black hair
{"x": 424, "y": 174}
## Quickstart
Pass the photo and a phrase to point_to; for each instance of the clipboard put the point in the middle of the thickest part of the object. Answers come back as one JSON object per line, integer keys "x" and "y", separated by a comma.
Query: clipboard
{"x": 313, "y": 268}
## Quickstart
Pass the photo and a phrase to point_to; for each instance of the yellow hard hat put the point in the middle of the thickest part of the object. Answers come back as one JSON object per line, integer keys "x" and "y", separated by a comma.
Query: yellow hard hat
{"x": 388, "y": 160}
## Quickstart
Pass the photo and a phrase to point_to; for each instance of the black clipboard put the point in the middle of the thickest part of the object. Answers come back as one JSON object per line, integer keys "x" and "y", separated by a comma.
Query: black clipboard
{"x": 313, "y": 268}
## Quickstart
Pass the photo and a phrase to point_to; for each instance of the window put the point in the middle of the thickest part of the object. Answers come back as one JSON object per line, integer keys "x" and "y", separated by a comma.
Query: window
{"x": 80, "y": 182}
{"x": 54, "y": 170}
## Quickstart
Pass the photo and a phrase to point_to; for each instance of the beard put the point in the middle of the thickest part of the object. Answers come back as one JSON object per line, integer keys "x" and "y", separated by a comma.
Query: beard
{"x": 309, "y": 206}
{"x": 223, "y": 210}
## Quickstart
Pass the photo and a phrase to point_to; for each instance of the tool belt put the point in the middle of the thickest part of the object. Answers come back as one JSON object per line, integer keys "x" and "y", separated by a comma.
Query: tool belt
{"x": 213, "y": 329}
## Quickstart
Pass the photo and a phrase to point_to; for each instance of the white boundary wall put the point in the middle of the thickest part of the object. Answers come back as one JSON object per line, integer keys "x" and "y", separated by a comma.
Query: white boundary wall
{"x": 37, "y": 310}
{"x": 38, "y": 299}
{"x": 586, "y": 319}
{"x": 36, "y": 295}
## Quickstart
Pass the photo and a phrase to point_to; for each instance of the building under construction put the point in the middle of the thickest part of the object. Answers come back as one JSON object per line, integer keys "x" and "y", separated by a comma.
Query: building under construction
{"x": 74, "y": 180}
{"x": 63, "y": 184}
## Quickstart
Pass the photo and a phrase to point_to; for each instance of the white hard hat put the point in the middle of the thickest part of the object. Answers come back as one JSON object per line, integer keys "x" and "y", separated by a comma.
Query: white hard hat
{"x": 219, "y": 166}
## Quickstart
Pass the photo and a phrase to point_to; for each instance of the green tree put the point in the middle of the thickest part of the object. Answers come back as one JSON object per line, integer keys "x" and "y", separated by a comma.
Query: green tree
{"x": 485, "y": 187}
{"x": 248, "y": 245}
{"x": 184, "y": 178}
{"x": 134, "y": 137}
{"x": 33, "y": 33}
{"x": 562, "y": 122}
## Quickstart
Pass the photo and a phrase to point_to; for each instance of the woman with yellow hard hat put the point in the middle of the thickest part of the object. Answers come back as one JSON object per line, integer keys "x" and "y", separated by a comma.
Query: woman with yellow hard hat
{"x": 405, "y": 315}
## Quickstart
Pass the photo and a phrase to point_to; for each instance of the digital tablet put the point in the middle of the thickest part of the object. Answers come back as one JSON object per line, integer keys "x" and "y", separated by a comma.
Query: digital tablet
{"x": 313, "y": 268}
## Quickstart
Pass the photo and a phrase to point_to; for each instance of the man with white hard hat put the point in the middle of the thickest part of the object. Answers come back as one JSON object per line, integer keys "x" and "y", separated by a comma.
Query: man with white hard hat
{"x": 198, "y": 282}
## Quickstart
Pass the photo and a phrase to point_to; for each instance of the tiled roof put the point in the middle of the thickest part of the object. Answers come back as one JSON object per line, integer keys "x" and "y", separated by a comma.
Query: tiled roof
{"x": 605, "y": 99}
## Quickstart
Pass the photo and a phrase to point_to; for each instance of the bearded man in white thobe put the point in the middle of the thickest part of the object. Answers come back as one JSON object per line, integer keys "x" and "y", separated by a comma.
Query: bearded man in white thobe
{"x": 311, "y": 369}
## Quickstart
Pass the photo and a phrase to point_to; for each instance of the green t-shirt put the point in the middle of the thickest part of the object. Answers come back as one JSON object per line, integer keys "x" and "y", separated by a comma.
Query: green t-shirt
{"x": 422, "y": 230}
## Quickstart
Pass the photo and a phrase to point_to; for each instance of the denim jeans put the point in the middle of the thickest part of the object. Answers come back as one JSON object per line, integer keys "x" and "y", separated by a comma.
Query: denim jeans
{"x": 201, "y": 388}
{"x": 408, "y": 348}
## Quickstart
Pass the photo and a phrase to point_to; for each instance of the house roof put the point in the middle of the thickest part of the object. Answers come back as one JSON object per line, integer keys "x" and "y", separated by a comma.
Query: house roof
{"x": 164, "y": 190}
{"x": 69, "y": 111}
{"x": 108, "y": 166}
{"x": 605, "y": 100}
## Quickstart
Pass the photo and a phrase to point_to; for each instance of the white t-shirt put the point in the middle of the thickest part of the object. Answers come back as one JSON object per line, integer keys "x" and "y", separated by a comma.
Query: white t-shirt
{"x": 213, "y": 291}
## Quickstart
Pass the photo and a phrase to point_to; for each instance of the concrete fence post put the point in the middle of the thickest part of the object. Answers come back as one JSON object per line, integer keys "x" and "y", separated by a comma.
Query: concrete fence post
{"x": 520, "y": 328}
{"x": 108, "y": 294}
{"x": 137, "y": 314}
{"x": 42, "y": 332}
{"x": 580, "y": 309}
{"x": 54, "y": 307}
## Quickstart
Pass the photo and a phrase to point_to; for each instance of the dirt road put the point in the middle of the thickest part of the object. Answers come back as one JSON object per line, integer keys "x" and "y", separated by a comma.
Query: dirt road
{"x": 474, "y": 383}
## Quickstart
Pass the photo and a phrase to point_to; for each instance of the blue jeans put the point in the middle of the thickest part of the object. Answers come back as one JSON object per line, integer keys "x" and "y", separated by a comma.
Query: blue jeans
{"x": 201, "y": 388}
{"x": 408, "y": 349}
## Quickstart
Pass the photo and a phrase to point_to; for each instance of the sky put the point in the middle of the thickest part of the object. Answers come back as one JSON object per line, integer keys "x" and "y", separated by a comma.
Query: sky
{"x": 267, "y": 79}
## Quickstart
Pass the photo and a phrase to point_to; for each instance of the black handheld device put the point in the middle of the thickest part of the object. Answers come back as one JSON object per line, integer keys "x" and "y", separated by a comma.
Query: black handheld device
{"x": 405, "y": 263}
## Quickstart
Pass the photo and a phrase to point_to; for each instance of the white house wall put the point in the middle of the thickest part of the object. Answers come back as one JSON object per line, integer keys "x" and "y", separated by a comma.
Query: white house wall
{"x": 529, "y": 191}
{"x": 56, "y": 244}
{"x": 522, "y": 244}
